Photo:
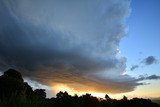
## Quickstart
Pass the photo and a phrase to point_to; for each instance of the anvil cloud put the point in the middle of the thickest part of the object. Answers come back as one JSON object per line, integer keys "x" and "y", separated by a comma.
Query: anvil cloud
{"x": 74, "y": 42}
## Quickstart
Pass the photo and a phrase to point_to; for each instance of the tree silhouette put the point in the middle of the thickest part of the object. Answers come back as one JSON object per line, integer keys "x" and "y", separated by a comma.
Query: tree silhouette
{"x": 11, "y": 73}
{"x": 40, "y": 93}
{"x": 125, "y": 98}
{"x": 108, "y": 99}
{"x": 29, "y": 93}
{"x": 12, "y": 87}
{"x": 11, "y": 84}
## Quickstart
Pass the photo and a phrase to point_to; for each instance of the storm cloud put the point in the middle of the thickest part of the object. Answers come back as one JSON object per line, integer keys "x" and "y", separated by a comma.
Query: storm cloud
{"x": 71, "y": 42}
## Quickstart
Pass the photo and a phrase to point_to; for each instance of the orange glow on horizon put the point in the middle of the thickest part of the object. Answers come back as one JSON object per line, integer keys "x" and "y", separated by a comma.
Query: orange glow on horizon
{"x": 63, "y": 87}
{"x": 144, "y": 91}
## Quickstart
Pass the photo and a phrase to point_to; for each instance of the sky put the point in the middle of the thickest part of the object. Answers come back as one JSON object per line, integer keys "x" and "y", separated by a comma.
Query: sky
{"x": 141, "y": 42}
{"x": 79, "y": 46}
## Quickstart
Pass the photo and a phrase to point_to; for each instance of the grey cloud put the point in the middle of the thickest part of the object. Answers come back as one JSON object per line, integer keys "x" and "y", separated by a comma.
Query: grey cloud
{"x": 66, "y": 42}
{"x": 146, "y": 77}
{"x": 153, "y": 77}
{"x": 150, "y": 60}
{"x": 147, "y": 61}
{"x": 84, "y": 83}
{"x": 134, "y": 67}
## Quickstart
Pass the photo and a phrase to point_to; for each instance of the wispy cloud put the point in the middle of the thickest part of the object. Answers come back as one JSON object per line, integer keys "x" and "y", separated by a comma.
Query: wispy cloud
{"x": 146, "y": 77}
{"x": 134, "y": 67}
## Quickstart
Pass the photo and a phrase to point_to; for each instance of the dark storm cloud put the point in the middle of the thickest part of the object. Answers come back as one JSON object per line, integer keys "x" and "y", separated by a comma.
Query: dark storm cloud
{"x": 28, "y": 46}
{"x": 150, "y": 60}
{"x": 134, "y": 67}
{"x": 74, "y": 42}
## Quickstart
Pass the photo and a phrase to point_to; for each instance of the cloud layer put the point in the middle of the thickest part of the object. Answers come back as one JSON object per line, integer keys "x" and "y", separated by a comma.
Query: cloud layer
{"x": 71, "y": 42}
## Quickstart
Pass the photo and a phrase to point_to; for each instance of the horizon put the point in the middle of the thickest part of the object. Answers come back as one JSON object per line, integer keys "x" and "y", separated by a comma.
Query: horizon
{"x": 98, "y": 47}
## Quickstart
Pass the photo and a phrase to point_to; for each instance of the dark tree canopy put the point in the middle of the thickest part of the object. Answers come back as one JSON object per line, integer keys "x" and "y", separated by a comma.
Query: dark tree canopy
{"x": 28, "y": 91}
{"x": 13, "y": 74}
{"x": 40, "y": 93}
{"x": 11, "y": 84}
{"x": 107, "y": 97}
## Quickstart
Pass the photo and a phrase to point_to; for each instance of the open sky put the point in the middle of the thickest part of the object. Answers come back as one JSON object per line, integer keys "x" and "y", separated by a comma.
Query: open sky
{"x": 79, "y": 46}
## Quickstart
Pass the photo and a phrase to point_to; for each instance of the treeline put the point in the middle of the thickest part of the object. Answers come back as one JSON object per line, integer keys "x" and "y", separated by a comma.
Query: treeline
{"x": 14, "y": 92}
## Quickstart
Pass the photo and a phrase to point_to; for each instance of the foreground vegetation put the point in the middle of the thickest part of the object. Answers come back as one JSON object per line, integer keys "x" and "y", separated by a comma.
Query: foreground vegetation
{"x": 14, "y": 92}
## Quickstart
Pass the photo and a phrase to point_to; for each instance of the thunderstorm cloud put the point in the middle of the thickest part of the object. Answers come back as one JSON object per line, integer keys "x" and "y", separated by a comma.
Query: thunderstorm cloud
{"x": 72, "y": 42}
